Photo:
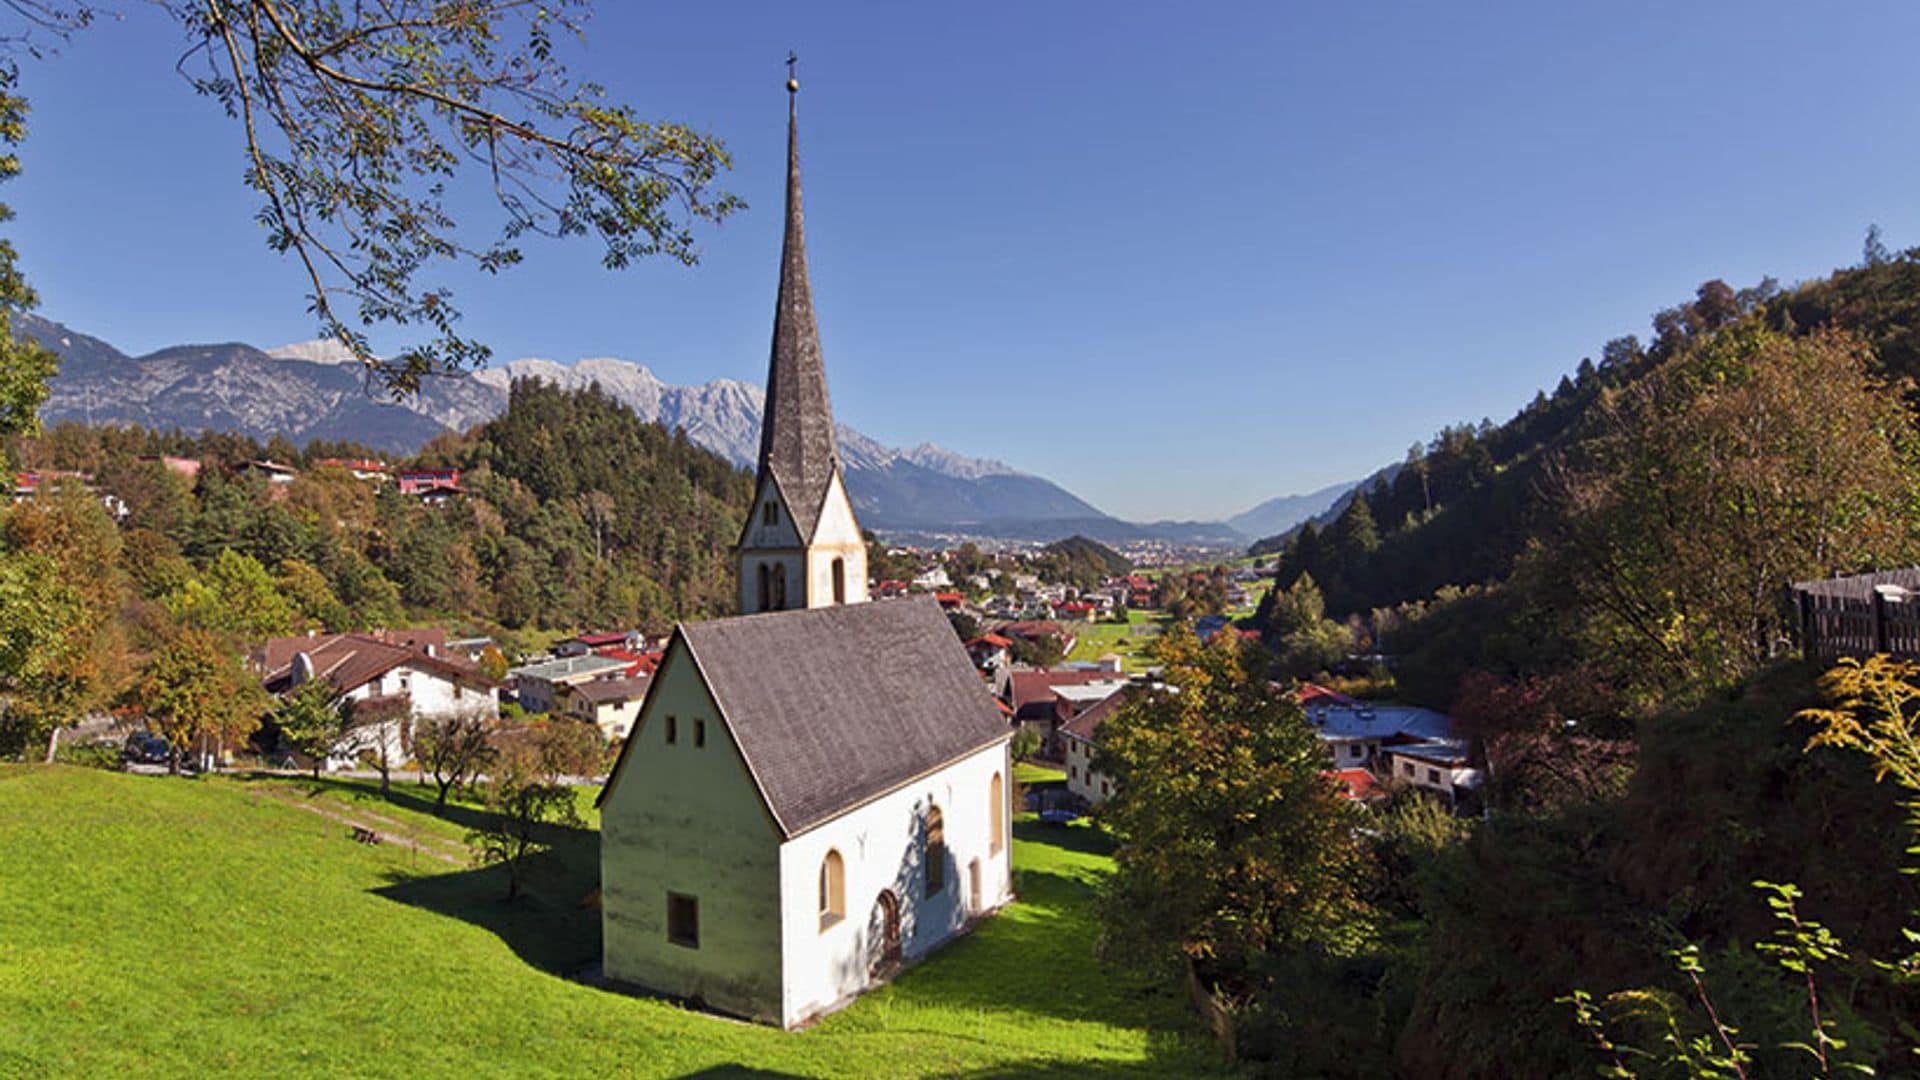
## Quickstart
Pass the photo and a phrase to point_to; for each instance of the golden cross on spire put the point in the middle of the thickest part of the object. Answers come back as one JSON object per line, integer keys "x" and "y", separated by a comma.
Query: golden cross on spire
{"x": 793, "y": 84}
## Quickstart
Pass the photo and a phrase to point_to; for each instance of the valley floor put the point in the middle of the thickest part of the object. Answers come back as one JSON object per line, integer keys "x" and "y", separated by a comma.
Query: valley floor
{"x": 152, "y": 925}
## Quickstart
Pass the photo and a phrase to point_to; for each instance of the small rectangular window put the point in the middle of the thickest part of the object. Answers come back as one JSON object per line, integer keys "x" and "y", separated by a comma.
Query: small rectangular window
{"x": 699, "y": 733}
{"x": 683, "y": 920}
{"x": 1433, "y": 775}
{"x": 673, "y": 729}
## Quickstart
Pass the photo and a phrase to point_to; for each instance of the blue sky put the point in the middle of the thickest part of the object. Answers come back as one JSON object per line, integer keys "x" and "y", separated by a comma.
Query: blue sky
{"x": 1178, "y": 260}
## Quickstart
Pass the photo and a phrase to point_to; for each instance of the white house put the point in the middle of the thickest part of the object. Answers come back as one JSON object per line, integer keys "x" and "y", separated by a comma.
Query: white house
{"x": 1080, "y": 739}
{"x": 1439, "y": 765}
{"x": 815, "y": 792}
{"x": 407, "y": 681}
{"x": 610, "y": 704}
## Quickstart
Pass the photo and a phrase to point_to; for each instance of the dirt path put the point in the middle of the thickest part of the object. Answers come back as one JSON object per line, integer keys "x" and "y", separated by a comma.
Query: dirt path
{"x": 358, "y": 820}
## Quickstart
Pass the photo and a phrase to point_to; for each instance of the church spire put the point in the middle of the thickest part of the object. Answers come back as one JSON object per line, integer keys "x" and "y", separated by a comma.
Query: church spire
{"x": 797, "y": 446}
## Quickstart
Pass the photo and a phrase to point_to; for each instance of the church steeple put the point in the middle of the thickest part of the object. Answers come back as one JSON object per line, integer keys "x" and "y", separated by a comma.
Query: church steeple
{"x": 801, "y": 547}
{"x": 797, "y": 445}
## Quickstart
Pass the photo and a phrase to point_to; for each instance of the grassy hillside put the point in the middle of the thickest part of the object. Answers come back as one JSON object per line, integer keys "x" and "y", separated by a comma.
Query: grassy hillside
{"x": 150, "y": 925}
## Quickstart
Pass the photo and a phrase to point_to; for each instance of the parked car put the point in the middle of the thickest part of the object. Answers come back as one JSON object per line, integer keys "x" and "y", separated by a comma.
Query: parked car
{"x": 144, "y": 748}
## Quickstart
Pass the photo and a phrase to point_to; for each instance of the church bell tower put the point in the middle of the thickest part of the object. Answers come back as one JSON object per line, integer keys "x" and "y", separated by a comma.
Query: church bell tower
{"x": 801, "y": 547}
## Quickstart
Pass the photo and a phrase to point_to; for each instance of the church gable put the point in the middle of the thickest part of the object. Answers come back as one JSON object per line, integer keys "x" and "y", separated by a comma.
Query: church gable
{"x": 771, "y": 524}
{"x": 835, "y": 524}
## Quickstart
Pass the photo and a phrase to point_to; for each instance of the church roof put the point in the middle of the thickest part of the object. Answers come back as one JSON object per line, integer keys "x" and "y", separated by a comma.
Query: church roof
{"x": 834, "y": 706}
{"x": 797, "y": 445}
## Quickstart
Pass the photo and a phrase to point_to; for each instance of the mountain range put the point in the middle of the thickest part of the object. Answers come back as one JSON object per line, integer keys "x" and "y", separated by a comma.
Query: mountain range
{"x": 317, "y": 390}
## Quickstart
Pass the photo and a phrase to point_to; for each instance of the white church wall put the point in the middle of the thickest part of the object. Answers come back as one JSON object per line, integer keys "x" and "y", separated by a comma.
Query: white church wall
{"x": 688, "y": 819}
{"x": 882, "y": 845}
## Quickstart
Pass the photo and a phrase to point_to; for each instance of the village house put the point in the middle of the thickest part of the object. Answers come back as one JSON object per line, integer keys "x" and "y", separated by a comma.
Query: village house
{"x": 361, "y": 468}
{"x": 990, "y": 652}
{"x": 271, "y": 471}
{"x": 1080, "y": 739}
{"x": 593, "y": 642}
{"x": 816, "y": 791}
{"x": 400, "y": 675}
{"x": 612, "y": 705}
{"x": 537, "y": 686}
{"x": 1442, "y": 766}
{"x": 1403, "y": 743}
{"x": 1042, "y": 699}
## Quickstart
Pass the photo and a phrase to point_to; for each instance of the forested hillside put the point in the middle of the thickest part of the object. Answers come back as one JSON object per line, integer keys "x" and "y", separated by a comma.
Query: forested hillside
{"x": 1574, "y": 534}
{"x": 1595, "y": 591}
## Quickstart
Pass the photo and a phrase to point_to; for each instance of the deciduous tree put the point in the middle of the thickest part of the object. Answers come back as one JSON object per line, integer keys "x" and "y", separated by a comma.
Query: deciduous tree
{"x": 192, "y": 688}
{"x": 1232, "y": 842}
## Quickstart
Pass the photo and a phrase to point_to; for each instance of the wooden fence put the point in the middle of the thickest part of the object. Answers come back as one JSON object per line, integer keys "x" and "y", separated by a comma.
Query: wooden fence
{"x": 1859, "y": 615}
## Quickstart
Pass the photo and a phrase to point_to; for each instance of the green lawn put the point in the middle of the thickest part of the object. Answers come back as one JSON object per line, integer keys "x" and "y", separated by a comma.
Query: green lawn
{"x": 155, "y": 925}
{"x": 1130, "y": 639}
{"x": 1027, "y": 772}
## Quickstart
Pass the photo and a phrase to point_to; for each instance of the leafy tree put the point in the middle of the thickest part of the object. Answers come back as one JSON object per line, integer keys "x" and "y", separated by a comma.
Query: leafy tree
{"x": 1752, "y": 460}
{"x": 312, "y": 720}
{"x": 306, "y": 589}
{"x": 1044, "y": 650}
{"x": 493, "y": 663}
{"x": 42, "y": 669}
{"x": 359, "y": 125}
{"x": 25, "y": 366}
{"x": 525, "y": 796}
{"x": 73, "y": 550}
{"x": 192, "y": 688}
{"x": 453, "y": 748}
{"x": 1305, "y": 640}
{"x": 1232, "y": 844}
{"x": 1026, "y": 743}
{"x": 370, "y": 724}
{"x": 964, "y": 625}
{"x": 235, "y": 596}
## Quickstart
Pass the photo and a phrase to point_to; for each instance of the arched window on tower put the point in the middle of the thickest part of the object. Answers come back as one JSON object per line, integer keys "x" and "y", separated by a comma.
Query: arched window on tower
{"x": 779, "y": 587}
{"x": 936, "y": 853}
{"x": 839, "y": 581}
{"x": 833, "y": 889}
{"x": 766, "y": 589}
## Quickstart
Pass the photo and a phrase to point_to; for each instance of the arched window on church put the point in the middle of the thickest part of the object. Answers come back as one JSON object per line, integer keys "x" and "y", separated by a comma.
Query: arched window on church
{"x": 839, "y": 581}
{"x": 833, "y": 889}
{"x": 779, "y": 587}
{"x": 997, "y": 799}
{"x": 936, "y": 853}
{"x": 766, "y": 590}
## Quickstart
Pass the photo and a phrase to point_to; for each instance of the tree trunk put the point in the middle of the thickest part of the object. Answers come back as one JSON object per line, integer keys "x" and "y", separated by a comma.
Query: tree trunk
{"x": 53, "y": 742}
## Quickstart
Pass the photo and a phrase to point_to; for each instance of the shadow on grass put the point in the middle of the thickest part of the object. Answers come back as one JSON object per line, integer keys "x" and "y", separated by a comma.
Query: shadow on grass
{"x": 736, "y": 1072}
{"x": 1082, "y": 836}
{"x": 549, "y": 925}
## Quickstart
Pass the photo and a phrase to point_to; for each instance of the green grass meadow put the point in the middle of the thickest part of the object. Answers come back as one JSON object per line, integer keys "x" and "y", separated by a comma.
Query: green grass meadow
{"x": 154, "y": 925}
{"x": 1133, "y": 640}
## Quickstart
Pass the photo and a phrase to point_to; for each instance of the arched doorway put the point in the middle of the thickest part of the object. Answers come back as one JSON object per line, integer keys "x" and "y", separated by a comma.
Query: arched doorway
{"x": 889, "y": 909}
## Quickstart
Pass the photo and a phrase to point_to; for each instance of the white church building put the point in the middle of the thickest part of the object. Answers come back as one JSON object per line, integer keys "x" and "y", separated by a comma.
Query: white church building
{"x": 817, "y": 791}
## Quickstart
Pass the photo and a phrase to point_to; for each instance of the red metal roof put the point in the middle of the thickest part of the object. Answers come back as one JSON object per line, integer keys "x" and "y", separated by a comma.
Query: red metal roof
{"x": 1356, "y": 784}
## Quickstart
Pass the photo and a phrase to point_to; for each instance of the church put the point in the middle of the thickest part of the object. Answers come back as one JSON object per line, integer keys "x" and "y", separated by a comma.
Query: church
{"x": 815, "y": 791}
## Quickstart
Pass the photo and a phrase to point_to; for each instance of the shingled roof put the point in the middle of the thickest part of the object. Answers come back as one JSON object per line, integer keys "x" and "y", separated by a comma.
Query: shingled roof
{"x": 797, "y": 446}
{"x": 834, "y": 706}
